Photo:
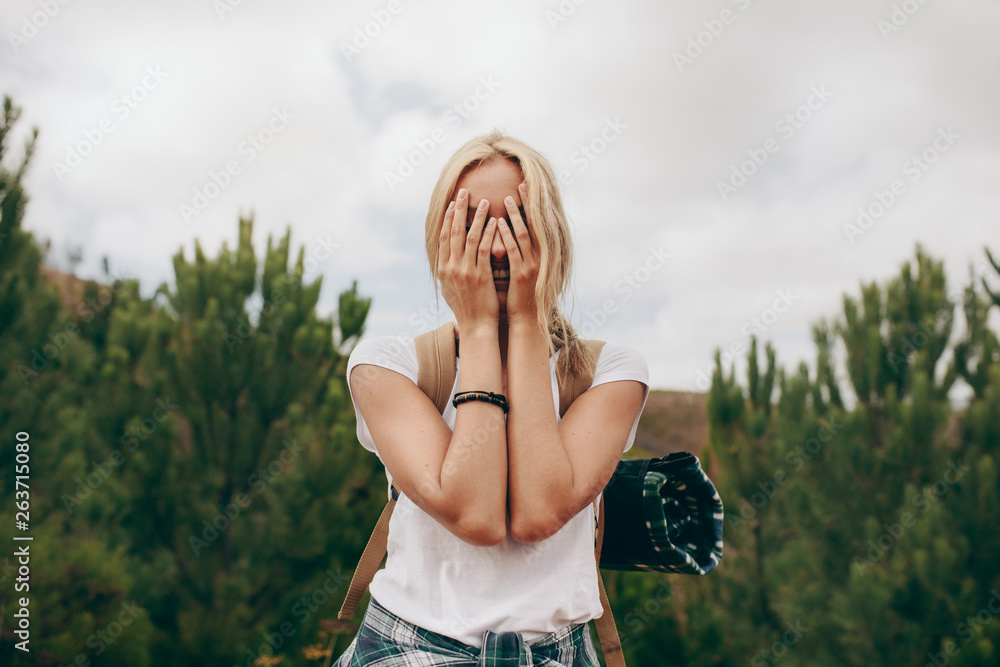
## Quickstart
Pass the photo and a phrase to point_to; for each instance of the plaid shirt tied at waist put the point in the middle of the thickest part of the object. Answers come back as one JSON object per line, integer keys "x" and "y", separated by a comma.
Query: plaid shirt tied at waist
{"x": 385, "y": 640}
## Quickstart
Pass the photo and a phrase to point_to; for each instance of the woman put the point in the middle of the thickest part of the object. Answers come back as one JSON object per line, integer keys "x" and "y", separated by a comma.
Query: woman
{"x": 491, "y": 544}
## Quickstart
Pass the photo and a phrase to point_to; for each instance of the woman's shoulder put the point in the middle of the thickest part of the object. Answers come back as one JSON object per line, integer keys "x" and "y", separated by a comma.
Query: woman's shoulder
{"x": 397, "y": 353}
{"x": 620, "y": 362}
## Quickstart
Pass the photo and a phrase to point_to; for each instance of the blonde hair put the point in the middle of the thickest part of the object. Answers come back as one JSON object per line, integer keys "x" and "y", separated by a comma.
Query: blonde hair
{"x": 549, "y": 229}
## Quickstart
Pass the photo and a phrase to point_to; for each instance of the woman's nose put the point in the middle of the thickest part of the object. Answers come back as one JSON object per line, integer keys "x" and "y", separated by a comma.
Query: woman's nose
{"x": 498, "y": 249}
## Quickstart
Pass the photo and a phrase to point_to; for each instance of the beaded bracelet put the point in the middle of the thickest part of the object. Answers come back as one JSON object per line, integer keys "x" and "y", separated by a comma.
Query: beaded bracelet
{"x": 487, "y": 396}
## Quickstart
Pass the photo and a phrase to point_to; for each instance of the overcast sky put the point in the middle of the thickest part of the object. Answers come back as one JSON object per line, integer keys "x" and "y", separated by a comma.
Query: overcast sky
{"x": 714, "y": 154}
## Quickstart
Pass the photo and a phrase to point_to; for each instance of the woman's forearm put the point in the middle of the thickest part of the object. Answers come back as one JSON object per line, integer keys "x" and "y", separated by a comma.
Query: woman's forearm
{"x": 540, "y": 475}
{"x": 474, "y": 471}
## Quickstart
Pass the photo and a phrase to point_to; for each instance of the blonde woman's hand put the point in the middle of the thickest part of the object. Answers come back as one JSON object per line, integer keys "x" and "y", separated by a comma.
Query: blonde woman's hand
{"x": 464, "y": 264}
{"x": 523, "y": 255}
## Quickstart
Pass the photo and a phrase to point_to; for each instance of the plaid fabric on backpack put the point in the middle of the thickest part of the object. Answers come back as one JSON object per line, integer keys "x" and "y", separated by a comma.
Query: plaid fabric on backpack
{"x": 663, "y": 515}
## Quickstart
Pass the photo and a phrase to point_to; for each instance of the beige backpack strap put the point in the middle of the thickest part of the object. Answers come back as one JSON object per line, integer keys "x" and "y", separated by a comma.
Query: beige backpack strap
{"x": 371, "y": 558}
{"x": 573, "y": 386}
{"x": 607, "y": 631}
{"x": 436, "y": 362}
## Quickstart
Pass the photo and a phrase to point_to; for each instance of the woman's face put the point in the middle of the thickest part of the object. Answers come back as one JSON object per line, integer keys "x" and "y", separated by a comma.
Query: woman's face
{"x": 493, "y": 181}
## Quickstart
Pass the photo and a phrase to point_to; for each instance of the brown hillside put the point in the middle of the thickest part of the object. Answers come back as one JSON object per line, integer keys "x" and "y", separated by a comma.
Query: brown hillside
{"x": 71, "y": 288}
{"x": 673, "y": 421}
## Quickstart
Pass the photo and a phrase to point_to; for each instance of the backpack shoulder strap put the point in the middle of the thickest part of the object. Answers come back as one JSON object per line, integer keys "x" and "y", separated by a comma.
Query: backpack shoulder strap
{"x": 436, "y": 362}
{"x": 607, "y": 631}
{"x": 371, "y": 558}
{"x": 575, "y": 385}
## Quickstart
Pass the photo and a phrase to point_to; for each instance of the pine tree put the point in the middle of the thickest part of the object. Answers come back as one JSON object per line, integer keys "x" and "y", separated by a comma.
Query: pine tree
{"x": 81, "y": 576}
{"x": 259, "y": 503}
{"x": 858, "y": 512}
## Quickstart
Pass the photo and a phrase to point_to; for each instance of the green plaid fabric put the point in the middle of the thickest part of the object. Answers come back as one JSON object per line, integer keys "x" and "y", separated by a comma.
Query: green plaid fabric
{"x": 662, "y": 515}
{"x": 685, "y": 528}
{"x": 385, "y": 640}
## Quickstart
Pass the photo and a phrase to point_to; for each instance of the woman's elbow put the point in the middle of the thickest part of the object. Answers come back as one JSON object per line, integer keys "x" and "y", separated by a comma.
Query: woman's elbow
{"x": 480, "y": 530}
{"x": 534, "y": 528}
{"x": 483, "y": 535}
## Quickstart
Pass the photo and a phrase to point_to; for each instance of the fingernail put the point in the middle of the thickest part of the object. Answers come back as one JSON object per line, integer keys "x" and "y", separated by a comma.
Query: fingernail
{"x": 462, "y": 193}
{"x": 483, "y": 204}
{"x": 451, "y": 205}
{"x": 509, "y": 200}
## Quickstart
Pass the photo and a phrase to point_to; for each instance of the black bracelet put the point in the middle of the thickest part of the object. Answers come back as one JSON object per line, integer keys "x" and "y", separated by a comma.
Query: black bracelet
{"x": 486, "y": 396}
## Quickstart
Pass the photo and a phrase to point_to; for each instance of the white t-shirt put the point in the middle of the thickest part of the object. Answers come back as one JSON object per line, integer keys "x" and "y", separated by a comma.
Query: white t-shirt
{"x": 439, "y": 582}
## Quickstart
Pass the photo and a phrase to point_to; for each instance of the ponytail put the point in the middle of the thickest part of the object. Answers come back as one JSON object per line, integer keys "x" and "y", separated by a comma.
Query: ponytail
{"x": 575, "y": 358}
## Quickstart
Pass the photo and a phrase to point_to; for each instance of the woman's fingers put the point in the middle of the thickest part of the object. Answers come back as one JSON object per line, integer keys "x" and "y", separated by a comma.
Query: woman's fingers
{"x": 521, "y": 254}
{"x": 458, "y": 223}
{"x": 486, "y": 243}
{"x": 475, "y": 232}
{"x": 507, "y": 236}
{"x": 518, "y": 226}
{"x": 464, "y": 267}
{"x": 444, "y": 245}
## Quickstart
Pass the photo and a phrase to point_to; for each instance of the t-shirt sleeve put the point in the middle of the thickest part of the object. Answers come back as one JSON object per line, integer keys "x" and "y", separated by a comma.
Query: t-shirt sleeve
{"x": 617, "y": 362}
{"x": 389, "y": 352}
